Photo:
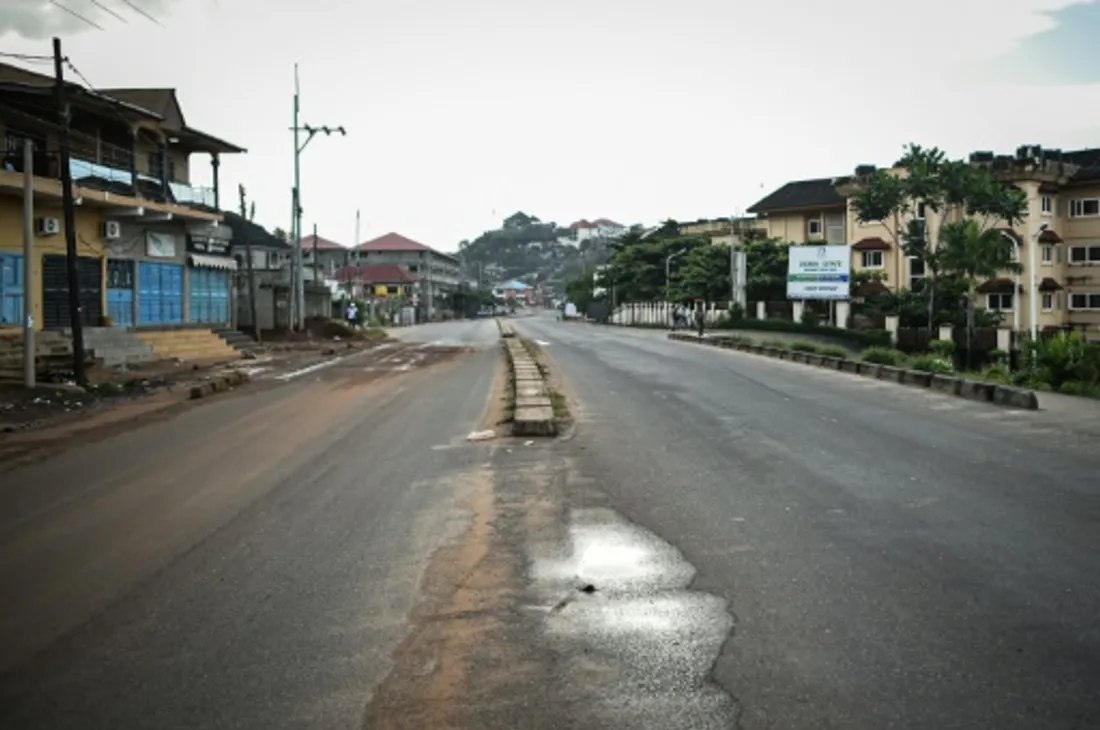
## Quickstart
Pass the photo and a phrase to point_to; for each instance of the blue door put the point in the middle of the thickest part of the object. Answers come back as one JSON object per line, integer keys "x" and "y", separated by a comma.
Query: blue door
{"x": 120, "y": 292}
{"x": 161, "y": 293}
{"x": 11, "y": 290}
{"x": 209, "y": 290}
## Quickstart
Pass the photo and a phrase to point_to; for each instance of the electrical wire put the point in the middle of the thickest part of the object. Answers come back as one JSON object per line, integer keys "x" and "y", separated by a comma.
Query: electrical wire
{"x": 139, "y": 11}
{"x": 76, "y": 15}
{"x": 25, "y": 56}
{"x": 79, "y": 75}
{"x": 108, "y": 10}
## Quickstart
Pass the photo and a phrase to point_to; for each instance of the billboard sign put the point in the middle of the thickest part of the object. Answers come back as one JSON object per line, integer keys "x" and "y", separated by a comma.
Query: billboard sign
{"x": 819, "y": 272}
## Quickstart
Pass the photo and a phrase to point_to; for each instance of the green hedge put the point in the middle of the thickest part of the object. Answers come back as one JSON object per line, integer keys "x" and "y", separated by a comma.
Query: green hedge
{"x": 864, "y": 338}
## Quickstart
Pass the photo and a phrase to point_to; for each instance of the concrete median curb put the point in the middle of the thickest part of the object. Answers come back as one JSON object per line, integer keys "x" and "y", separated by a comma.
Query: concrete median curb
{"x": 533, "y": 410}
{"x": 975, "y": 390}
{"x": 219, "y": 384}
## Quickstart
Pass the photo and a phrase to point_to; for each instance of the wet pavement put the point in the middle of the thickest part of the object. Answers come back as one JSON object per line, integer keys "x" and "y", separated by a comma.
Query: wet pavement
{"x": 889, "y": 557}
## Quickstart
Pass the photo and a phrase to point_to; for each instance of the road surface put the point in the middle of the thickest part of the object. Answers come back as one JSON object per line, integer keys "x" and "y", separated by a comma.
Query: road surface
{"x": 890, "y": 557}
{"x": 720, "y": 541}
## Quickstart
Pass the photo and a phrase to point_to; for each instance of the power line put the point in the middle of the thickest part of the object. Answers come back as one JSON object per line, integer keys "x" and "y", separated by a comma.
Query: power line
{"x": 106, "y": 9}
{"x": 139, "y": 11}
{"x": 76, "y": 71}
{"x": 25, "y": 56}
{"x": 77, "y": 15}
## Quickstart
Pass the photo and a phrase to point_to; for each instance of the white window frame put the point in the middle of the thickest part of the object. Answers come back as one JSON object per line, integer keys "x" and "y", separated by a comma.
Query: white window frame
{"x": 1088, "y": 260}
{"x": 1088, "y": 307}
{"x": 1046, "y": 205}
{"x": 1047, "y": 301}
{"x": 1077, "y": 208}
{"x": 863, "y": 255}
{"x": 810, "y": 232}
{"x": 1047, "y": 255}
{"x": 991, "y": 308}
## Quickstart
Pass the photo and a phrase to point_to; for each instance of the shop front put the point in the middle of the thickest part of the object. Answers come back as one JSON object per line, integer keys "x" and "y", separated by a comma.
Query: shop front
{"x": 160, "y": 281}
{"x": 210, "y": 271}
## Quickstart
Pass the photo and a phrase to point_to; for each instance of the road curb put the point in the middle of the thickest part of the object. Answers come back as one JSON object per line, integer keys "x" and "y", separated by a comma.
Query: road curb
{"x": 219, "y": 384}
{"x": 975, "y": 390}
{"x": 533, "y": 411}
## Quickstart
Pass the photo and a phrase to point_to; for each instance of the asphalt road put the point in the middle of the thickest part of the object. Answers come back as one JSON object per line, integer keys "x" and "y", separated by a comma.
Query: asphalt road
{"x": 889, "y": 557}
{"x": 251, "y": 562}
{"x": 719, "y": 541}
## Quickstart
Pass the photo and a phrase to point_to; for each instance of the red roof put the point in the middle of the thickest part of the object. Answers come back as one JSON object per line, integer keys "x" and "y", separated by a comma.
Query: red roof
{"x": 392, "y": 242}
{"x": 323, "y": 244}
{"x": 582, "y": 224}
{"x": 608, "y": 223}
{"x": 379, "y": 274}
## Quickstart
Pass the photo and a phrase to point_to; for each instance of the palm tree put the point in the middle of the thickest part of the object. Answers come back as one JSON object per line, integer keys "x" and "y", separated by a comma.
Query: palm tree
{"x": 974, "y": 253}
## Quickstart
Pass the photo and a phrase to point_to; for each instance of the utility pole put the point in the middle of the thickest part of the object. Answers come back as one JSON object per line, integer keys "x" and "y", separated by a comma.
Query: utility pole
{"x": 71, "y": 270}
{"x": 296, "y": 224}
{"x": 316, "y": 275}
{"x": 28, "y": 268}
{"x": 248, "y": 259}
{"x": 293, "y": 263}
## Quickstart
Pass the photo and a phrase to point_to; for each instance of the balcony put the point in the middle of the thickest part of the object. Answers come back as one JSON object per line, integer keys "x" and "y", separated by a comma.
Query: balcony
{"x": 110, "y": 172}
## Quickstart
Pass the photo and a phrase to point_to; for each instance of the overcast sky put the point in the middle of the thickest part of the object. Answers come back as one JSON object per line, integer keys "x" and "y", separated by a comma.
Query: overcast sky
{"x": 460, "y": 112}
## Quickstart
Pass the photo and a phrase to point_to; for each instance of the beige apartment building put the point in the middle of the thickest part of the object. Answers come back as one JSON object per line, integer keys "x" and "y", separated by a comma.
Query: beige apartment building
{"x": 1062, "y": 225}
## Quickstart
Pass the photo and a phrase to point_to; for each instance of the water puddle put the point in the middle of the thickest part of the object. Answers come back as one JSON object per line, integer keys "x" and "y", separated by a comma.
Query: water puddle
{"x": 637, "y": 644}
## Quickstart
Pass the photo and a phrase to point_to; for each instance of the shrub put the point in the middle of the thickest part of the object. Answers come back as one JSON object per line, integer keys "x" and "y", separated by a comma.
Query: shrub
{"x": 776, "y": 344}
{"x": 864, "y": 338}
{"x": 833, "y": 351}
{"x": 996, "y": 374}
{"x": 1063, "y": 358}
{"x": 942, "y": 348}
{"x": 932, "y": 364}
{"x": 998, "y": 357}
{"x": 803, "y": 346}
{"x": 1076, "y": 387}
{"x": 883, "y": 356}
{"x": 810, "y": 317}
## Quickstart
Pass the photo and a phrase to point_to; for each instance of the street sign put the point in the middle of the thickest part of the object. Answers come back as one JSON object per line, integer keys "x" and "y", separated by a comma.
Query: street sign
{"x": 819, "y": 272}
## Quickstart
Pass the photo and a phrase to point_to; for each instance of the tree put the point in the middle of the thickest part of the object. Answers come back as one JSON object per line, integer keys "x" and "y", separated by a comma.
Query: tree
{"x": 280, "y": 234}
{"x": 928, "y": 183}
{"x": 972, "y": 254}
{"x": 704, "y": 274}
{"x": 580, "y": 291}
{"x": 767, "y": 264}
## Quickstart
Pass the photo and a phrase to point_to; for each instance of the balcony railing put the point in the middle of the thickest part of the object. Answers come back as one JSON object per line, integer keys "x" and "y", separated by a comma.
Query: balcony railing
{"x": 87, "y": 172}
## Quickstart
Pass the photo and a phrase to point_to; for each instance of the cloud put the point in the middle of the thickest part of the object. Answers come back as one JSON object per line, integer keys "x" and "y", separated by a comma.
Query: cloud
{"x": 1060, "y": 52}
{"x": 39, "y": 19}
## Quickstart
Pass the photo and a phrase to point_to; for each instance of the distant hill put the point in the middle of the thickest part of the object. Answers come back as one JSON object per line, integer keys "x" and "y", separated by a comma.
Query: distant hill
{"x": 533, "y": 251}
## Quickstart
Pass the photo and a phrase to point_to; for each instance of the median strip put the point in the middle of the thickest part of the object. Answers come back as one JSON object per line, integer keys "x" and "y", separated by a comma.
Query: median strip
{"x": 975, "y": 390}
{"x": 532, "y": 405}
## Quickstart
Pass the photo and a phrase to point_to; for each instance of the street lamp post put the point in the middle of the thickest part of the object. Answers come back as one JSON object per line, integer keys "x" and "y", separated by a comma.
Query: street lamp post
{"x": 299, "y": 296}
{"x": 668, "y": 273}
{"x": 1033, "y": 287}
{"x": 1015, "y": 286}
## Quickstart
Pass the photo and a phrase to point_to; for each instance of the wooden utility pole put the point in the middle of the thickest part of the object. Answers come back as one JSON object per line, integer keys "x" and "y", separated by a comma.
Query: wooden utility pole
{"x": 29, "y": 351}
{"x": 71, "y": 261}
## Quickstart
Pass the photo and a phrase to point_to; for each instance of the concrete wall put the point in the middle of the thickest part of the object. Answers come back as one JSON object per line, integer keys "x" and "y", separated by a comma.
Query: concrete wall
{"x": 11, "y": 240}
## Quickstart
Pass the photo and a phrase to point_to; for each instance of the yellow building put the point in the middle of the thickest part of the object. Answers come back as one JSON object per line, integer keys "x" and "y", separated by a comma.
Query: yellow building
{"x": 1062, "y": 227}
{"x": 136, "y": 213}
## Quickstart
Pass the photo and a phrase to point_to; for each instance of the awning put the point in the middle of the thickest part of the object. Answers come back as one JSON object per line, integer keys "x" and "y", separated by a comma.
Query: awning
{"x": 997, "y": 286}
{"x": 205, "y": 261}
{"x": 871, "y": 244}
{"x": 1049, "y": 285}
{"x": 1049, "y": 236}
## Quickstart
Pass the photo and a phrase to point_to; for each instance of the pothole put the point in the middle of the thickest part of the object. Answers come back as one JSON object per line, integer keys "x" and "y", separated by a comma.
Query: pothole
{"x": 646, "y": 642}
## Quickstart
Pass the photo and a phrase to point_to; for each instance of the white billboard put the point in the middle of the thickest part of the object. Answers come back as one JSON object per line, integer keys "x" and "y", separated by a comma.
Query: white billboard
{"x": 819, "y": 272}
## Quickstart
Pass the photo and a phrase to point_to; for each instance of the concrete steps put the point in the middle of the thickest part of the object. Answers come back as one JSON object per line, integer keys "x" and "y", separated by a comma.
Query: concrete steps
{"x": 114, "y": 346}
{"x": 240, "y": 342}
{"x": 200, "y": 346}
